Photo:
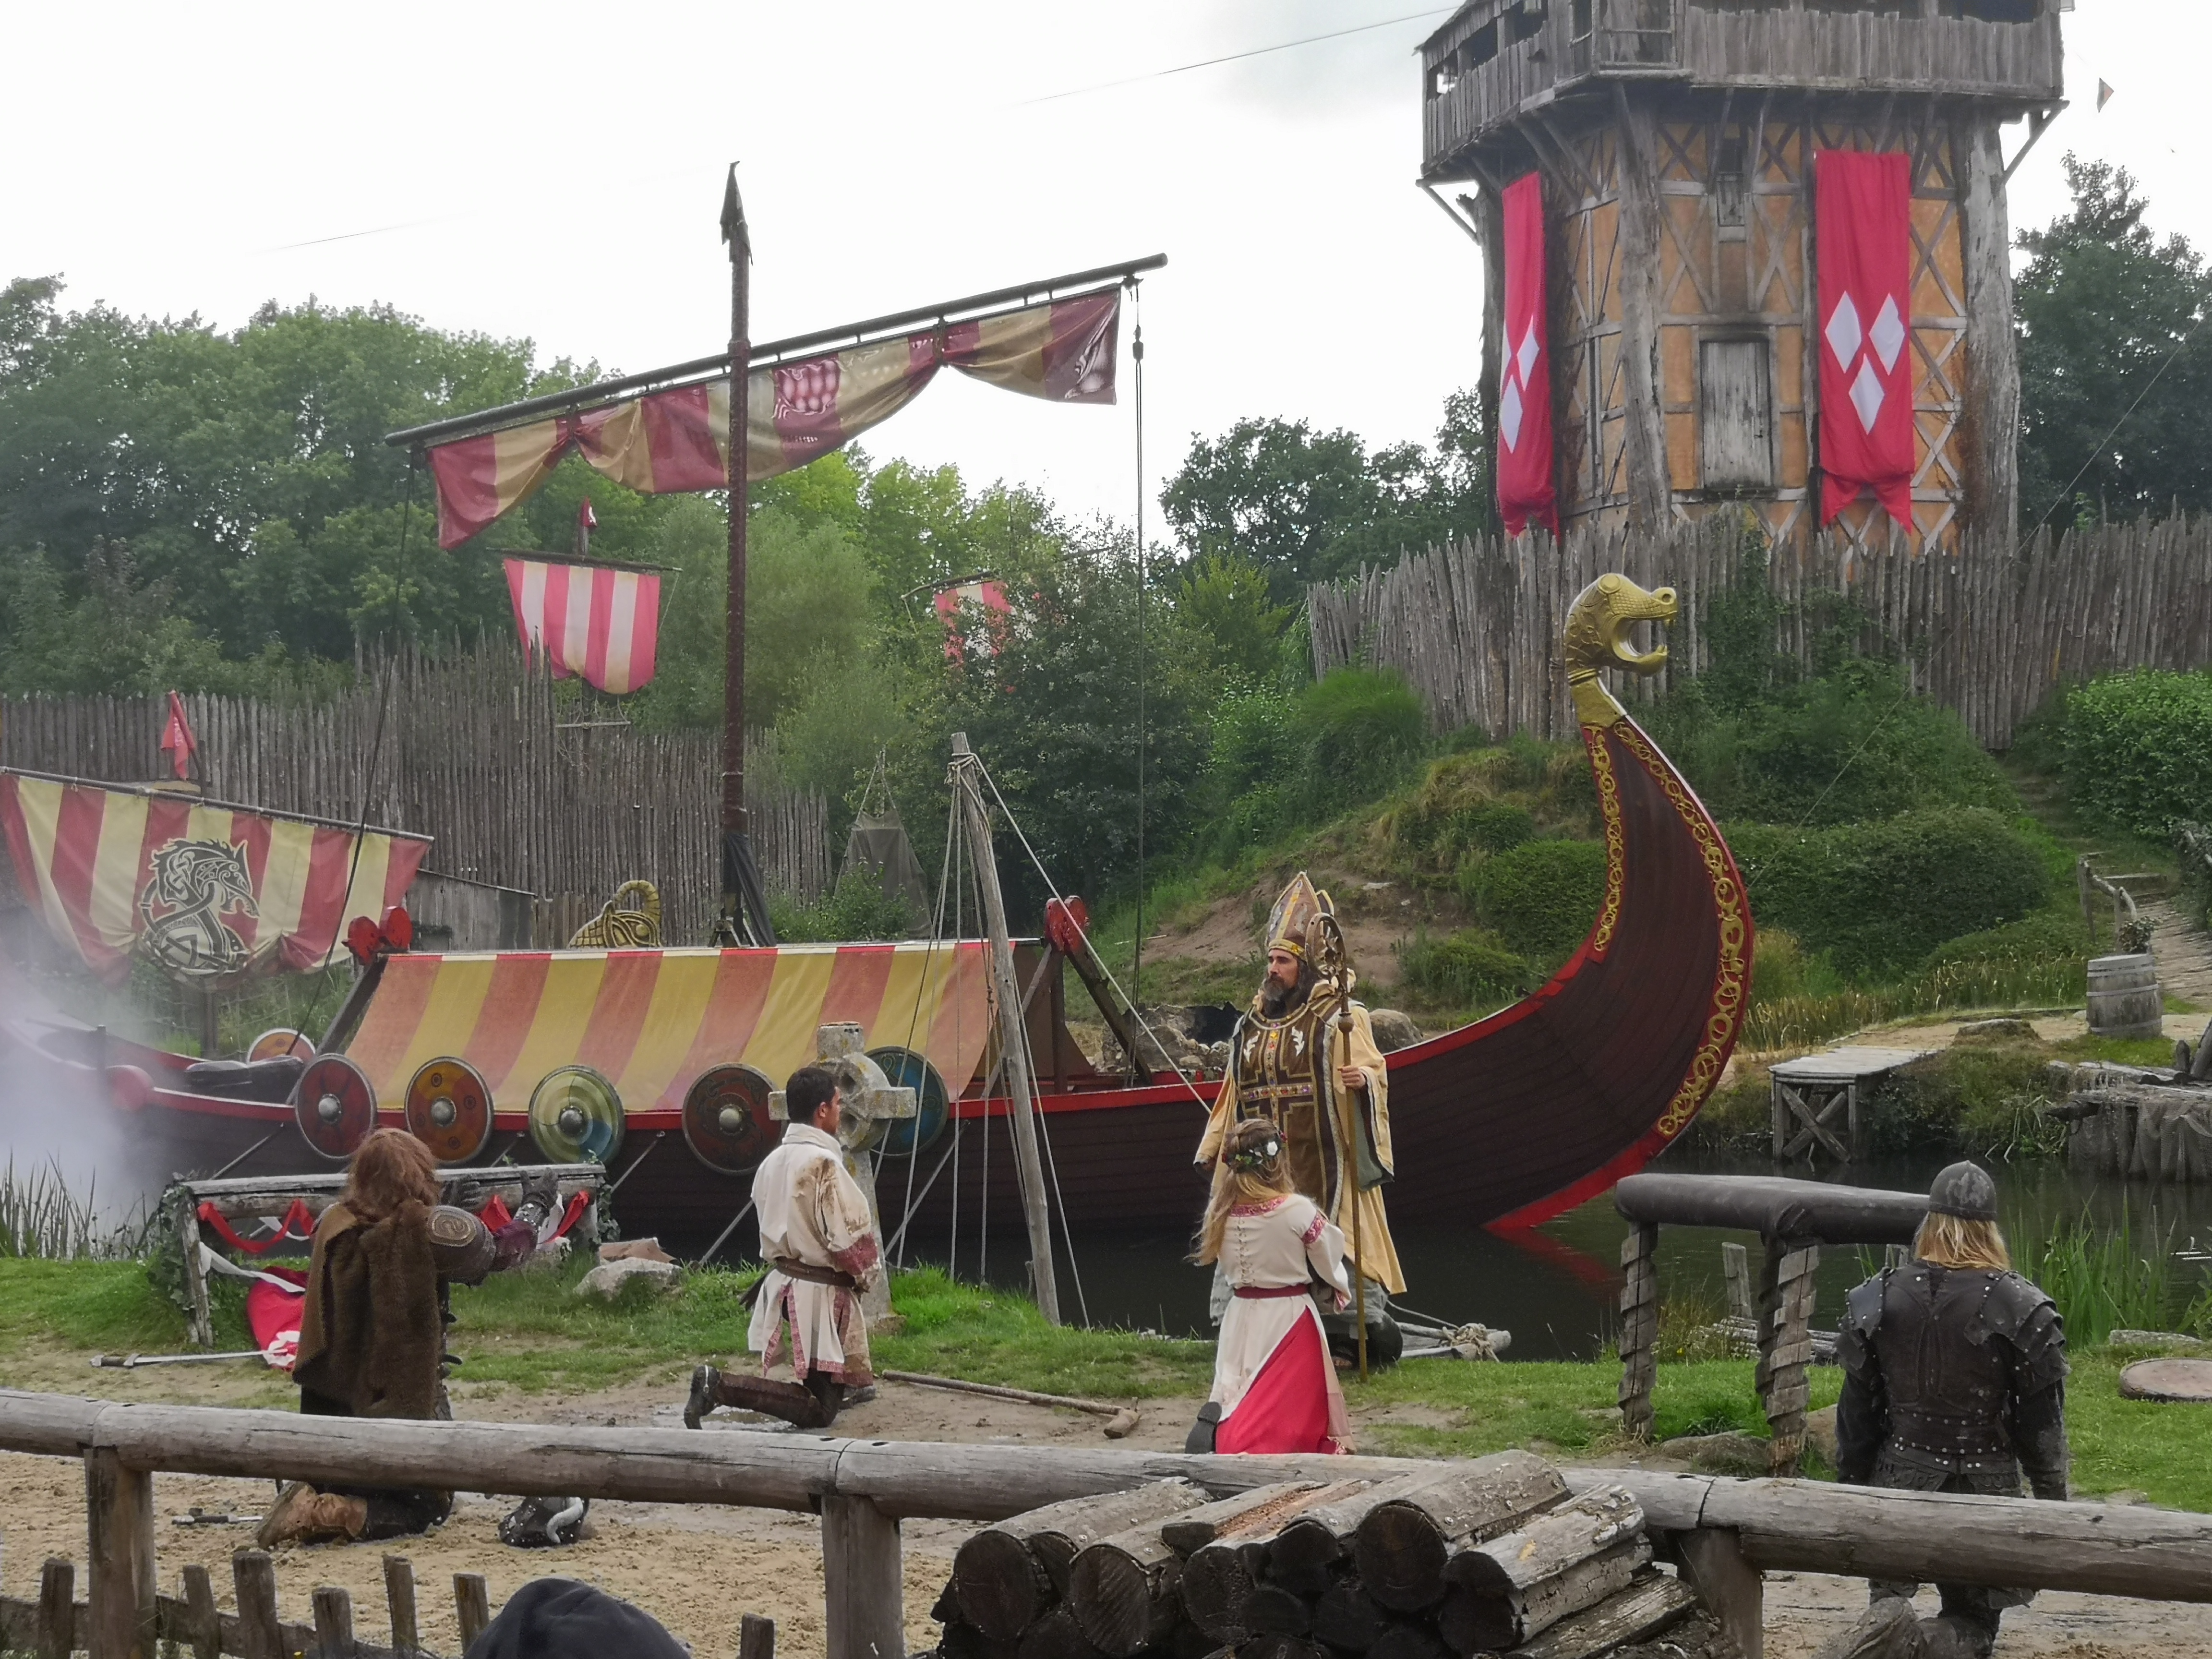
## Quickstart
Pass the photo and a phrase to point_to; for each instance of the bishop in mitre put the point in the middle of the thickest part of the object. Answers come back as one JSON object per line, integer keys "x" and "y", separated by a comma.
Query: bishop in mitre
{"x": 1291, "y": 1062}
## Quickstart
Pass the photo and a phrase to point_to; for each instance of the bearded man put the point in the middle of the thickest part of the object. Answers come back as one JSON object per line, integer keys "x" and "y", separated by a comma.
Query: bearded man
{"x": 1291, "y": 1062}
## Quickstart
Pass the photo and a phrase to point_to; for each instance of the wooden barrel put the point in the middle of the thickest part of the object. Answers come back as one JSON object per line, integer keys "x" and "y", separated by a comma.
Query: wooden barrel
{"x": 2124, "y": 997}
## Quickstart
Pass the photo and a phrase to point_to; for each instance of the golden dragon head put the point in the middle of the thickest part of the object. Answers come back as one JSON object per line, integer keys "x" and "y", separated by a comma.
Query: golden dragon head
{"x": 1597, "y": 637}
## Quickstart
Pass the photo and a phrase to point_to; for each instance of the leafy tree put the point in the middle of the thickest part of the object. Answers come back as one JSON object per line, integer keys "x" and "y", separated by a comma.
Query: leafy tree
{"x": 1305, "y": 507}
{"x": 1224, "y": 601}
{"x": 248, "y": 470}
{"x": 2103, "y": 305}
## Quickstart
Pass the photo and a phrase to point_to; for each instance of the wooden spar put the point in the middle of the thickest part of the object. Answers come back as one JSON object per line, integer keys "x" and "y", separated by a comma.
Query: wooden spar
{"x": 1782, "y": 1525}
{"x": 1012, "y": 1038}
{"x": 1347, "y": 1142}
{"x": 736, "y": 858}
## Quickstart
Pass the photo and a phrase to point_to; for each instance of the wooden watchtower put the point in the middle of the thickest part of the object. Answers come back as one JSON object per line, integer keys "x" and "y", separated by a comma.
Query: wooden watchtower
{"x": 1675, "y": 141}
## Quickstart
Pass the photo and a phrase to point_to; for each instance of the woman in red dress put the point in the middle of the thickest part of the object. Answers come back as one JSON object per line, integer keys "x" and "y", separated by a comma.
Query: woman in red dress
{"x": 1274, "y": 1386}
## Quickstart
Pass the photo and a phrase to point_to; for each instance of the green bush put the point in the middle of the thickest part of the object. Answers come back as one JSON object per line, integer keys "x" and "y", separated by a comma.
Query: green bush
{"x": 1877, "y": 898}
{"x": 2135, "y": 746}
{"x": 1363, "y": 730}
{"x": 859, "y": 909}
{"x": 1541, "y": 896}
{"x": 1464, "y": 970}
{"x": 1851, "y": 745}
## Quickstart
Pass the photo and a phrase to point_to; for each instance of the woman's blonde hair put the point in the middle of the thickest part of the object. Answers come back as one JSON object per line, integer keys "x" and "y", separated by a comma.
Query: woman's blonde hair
{"x": 390, "y": 1169}
{"x": 1245, "y": 1173}
{"x": 1951, "y": 1240}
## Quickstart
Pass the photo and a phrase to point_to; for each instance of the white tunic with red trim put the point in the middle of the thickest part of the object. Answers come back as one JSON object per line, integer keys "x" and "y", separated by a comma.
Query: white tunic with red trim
{"x": 812, "y": 1211}
{"x": 1272, "y": 1377}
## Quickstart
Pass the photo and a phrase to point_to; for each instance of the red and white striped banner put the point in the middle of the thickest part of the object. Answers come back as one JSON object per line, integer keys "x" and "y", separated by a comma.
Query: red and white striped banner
{"x": 1062, "y": 351}
{"x": 592, "y": 620}
{"x": 205, "y": 892}
{"x": 975, "y": 615}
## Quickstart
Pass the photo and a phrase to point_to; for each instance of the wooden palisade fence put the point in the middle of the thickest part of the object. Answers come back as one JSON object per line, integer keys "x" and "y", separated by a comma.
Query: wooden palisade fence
{"x": 1723, "y": 1533}
{"x": 520, "y": 787}
{"x": 1989, "y": 628}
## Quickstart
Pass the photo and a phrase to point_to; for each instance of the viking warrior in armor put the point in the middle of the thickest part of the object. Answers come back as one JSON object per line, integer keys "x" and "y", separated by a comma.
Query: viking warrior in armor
{"x": 819, "y": 1237}
{"x": 1955, "y": 1380}
{"x": 372, "y": 1326}
{"x": 1293, "y": 1061}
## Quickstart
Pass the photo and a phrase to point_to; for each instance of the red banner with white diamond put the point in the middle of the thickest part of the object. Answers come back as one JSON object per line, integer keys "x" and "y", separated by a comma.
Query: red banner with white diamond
{"x": 1525, "y": 491}
{"x": 1863, "y": 228}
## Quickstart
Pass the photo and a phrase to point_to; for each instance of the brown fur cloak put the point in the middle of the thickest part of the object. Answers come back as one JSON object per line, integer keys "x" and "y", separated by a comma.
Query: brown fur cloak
{"x": 370, "y": 1334}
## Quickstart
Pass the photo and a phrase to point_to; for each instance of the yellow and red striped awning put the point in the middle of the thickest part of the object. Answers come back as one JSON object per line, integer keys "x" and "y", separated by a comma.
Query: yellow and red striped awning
{"x": 651, "y": 1021}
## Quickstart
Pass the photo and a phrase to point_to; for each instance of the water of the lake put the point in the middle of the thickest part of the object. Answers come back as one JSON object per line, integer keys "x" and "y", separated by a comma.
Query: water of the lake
{"x": 1556, "y": 1289}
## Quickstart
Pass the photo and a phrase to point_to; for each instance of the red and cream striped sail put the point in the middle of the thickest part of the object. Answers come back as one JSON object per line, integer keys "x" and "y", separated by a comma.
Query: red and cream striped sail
{"x": 592, "y": 620}
{"x": 679, "y": 440}
{"x": 205, "y": 891}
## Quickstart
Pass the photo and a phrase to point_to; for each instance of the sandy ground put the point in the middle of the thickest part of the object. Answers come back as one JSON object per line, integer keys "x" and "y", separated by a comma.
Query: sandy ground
{"x": 698, "y": 1568}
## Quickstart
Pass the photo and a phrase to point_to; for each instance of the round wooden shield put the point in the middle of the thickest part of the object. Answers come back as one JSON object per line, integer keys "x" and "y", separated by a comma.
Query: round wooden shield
{"x": 933, "y": 1102}
{"x": 575, "y": 1116}
{"x": 449, "y": 1110}
{"x": 726, "y": 1121}
{"x": 333, "y": 1105}
{"x": 283, "y": 1041}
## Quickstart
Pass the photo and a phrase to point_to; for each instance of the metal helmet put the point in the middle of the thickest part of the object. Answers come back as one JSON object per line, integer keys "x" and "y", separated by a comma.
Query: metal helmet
{"x": 1964, "y": 1190}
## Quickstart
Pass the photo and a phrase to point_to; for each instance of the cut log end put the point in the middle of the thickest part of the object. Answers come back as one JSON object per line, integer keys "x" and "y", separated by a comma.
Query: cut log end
{"x": 1000, "y": 1586}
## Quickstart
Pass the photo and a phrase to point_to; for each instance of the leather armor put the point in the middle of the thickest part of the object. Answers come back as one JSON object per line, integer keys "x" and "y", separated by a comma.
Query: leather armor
{"x": 461, "y": 1245}
{"x": 1953, "y": 1372}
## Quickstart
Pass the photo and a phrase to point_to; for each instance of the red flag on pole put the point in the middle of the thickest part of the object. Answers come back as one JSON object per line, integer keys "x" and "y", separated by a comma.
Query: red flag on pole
{"x": 1864, "y": 232}
{"x": 1525, "y": 489}
{"x": 177, "y": 740}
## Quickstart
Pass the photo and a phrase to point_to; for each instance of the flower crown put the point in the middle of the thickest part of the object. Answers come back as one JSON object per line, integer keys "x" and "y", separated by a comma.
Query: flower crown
{"x": 1255, "y": 1158}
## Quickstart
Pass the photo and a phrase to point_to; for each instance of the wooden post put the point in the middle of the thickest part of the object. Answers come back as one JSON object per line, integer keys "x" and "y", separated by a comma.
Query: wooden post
{"x": 1991, "y": 421}
{"x": 863, "y": 1581}
{"x": 1778, "y": 1108}
{"x": 119, "y": 1513}
{"x": 1736, "y": 1270}
{"x": 400, "y": 1601}
{"x": 1785, "y": 1345}
{"x": 1639, "y": 1328}
{"x": 1012, "y": 1037}
{"x": 755, "y": 1638}
{"x": 253, "y": 1577}
{"x": 57, "y": 1608}
{"x": 1733, "y": 1591}
{"x": 203, "y": 1631}
{"x": 200, "y": 1322}
{"x": 333, "y": 1623}
{"x": 472, "y": 1605}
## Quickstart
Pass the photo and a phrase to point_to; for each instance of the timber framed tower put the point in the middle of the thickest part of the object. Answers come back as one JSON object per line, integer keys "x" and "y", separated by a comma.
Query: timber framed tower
{"x": 1675, "y": 141}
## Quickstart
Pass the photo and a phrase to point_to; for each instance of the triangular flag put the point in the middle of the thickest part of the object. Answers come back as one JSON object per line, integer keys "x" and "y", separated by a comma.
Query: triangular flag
{"x": 2104, "y": 94}
{"x": 177, "y": 741}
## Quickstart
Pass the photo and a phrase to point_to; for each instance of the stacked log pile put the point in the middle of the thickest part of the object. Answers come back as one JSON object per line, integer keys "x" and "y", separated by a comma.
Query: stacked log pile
{"x": 1488, "y": 1557}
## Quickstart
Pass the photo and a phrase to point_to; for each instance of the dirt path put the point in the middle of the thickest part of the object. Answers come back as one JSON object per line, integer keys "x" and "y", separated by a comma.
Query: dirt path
{"x": 698, "y": 1568}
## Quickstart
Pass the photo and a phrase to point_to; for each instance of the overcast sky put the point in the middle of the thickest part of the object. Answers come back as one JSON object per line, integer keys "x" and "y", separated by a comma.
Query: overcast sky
{"x": 554, "y": 171}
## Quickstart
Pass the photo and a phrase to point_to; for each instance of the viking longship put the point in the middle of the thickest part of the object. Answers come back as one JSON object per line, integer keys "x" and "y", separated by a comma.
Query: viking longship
{"x": 661, "y": 1062}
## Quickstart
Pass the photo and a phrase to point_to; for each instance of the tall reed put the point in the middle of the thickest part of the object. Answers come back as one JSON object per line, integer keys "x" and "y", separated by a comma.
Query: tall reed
{"x": 2104, "y": 1279}
{"x": 41, "y": 1216}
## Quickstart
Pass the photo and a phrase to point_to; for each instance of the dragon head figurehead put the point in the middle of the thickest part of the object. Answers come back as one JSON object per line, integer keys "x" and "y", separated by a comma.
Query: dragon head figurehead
{"x": 1597, "y": 637}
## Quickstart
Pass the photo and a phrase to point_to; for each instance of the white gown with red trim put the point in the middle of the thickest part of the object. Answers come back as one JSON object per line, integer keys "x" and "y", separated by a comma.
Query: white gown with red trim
{"x": 1272, "y": 1375}
{"x": 812, "y": 1211}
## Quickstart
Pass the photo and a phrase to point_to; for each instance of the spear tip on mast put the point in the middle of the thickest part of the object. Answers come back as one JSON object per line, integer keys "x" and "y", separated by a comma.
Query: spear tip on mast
{"x": 734, "y": 230}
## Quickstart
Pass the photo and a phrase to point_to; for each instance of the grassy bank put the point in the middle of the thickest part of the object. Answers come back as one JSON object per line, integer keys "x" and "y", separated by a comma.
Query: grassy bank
{"x": 533, "y": 1334}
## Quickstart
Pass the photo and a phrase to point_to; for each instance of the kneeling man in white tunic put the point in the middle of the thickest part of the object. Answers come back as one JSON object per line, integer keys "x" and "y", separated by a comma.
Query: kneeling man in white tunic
{"x": 819, "y": 1242}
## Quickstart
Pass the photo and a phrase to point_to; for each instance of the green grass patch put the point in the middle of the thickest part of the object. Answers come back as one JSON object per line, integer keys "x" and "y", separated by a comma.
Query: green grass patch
{"x": 106, "y": 1305}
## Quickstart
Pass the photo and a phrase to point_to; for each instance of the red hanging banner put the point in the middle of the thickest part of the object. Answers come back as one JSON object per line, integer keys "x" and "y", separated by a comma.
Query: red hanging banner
{"x": 1525, "y": 491}
{"x": 1864, "y": 231}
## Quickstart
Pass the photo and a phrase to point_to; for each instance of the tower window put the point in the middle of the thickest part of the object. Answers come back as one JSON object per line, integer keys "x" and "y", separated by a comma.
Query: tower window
{"x": 1735, "y": 415}
{"x": 1731, "y": 196}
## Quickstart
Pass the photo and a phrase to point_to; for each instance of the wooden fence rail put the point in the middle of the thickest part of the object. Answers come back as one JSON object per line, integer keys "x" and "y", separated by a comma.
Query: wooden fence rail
{"x": 862, "y": 1489}
{"x": 520, "y": 785}
{"x": 1988, "y": 630}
